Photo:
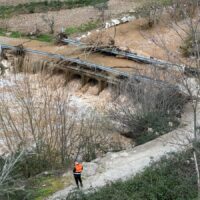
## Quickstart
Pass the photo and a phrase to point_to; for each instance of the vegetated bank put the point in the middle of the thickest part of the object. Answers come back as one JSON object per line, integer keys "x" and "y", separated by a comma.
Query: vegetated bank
{"x": 47, "y": 37}
{"x": 45, "y": 6}
{"x": 171, "y": 178}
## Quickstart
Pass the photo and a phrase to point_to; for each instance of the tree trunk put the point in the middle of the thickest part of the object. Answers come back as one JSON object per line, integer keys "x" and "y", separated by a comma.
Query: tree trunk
{"x": 197, "y": 171}
{"x": 196, "y": 139}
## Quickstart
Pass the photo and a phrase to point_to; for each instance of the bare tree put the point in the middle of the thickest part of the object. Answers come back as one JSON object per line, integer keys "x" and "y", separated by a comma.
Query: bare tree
{"x": 40, "y": 117}
{"x": 144, "y": 105}
{"x": 152, "y": 11}
{"x": 186, "y": 28}
{"x": 50, "y": 21}
{"x": 6, "y": 177}
{"x": 102, "y": 7}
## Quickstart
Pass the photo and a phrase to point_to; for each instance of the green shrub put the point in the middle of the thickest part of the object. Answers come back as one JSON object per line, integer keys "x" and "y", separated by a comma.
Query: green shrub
{"x": 16, "y": 34}
{"x": 11, "y": 186}
{"x": 190, "y": 46}
{"x": 12, "y": 34}
{"x": 148, "y": 111}
{"x": 33, "y": 164}
{"x": 45, "y": 38}
{"x": 157, "y": 121}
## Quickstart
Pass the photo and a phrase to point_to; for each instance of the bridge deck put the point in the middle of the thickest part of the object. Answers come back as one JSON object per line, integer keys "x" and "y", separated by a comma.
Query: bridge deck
{"x": 107, "y": 73}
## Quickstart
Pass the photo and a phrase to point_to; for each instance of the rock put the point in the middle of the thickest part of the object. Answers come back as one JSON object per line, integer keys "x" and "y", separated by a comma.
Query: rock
{"x": 124, "y": 154}
{"x": 150, "y": 130}
{"x": 170, "y": 124}
{"x": 89, "y": 33}
{"x": 107, "y": 25}
{"x": 156, "y": 133}
{"x": 90, "y": 169}
{"x": 8, "y": 34}
{"x": 115, "y": 21}
{"x": 124, "y": 19}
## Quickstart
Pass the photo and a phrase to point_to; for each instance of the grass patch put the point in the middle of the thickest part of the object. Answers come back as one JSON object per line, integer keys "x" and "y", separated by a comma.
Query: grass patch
{"x": 82, "y": 28}
{"x": 42, "y": 187}
{"x": 45, "y": 6}
{"x": 45, "y": 38}
{"x": 50, "y": 38}
{"x": 171, "y": 178}
{"x": 2, "y": 32}
{"x": 37, "y": 187}
{"x": 12, "y": 34}
{"x": 17, "y": 34}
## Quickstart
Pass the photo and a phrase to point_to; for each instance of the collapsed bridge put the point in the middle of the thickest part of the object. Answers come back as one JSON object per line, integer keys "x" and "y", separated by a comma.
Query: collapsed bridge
{"x": 116, "y": 51}
{"x": 76, "y": 67}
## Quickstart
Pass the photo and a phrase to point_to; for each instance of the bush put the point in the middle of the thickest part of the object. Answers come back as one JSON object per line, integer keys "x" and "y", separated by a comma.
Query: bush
{"x": 191, "y": 45}
{"x": 33, "y": 163}
{"x": 171, "y": 178}
{"x": 10, "y": 186}
{"x": 152, "y": 11}
{"x": 151, "y": 125}
{"x": 148, "y": 111}
{"x": 182, "y": 9}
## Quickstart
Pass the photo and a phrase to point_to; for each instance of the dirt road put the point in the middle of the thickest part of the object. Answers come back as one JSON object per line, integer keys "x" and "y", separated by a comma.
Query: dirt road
{"x": 127, "y": 163}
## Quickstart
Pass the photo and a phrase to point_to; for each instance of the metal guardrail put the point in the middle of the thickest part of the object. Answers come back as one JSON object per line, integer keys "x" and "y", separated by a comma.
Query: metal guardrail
{"x": 94, "y": 67}
{"x": 129, "y": 55}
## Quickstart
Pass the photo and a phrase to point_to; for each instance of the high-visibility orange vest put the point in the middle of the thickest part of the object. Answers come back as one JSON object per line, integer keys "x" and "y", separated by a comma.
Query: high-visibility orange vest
{"x": 79, "y": 168}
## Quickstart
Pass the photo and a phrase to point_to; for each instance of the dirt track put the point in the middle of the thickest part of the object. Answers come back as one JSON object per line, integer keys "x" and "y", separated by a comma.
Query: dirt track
{"x": 128, "y": 163}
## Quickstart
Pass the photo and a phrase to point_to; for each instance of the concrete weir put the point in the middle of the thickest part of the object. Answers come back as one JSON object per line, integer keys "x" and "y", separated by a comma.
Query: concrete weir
{"x": 33, "y": 61}
{"x": 28, "y": 62}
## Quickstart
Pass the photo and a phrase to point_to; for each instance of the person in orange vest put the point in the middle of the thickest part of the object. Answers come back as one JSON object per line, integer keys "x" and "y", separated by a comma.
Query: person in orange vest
{"x": 78, "y": 168}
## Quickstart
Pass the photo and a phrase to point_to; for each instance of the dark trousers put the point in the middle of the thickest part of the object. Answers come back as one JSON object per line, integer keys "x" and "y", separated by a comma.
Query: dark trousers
{"x": 78, "y": 180}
